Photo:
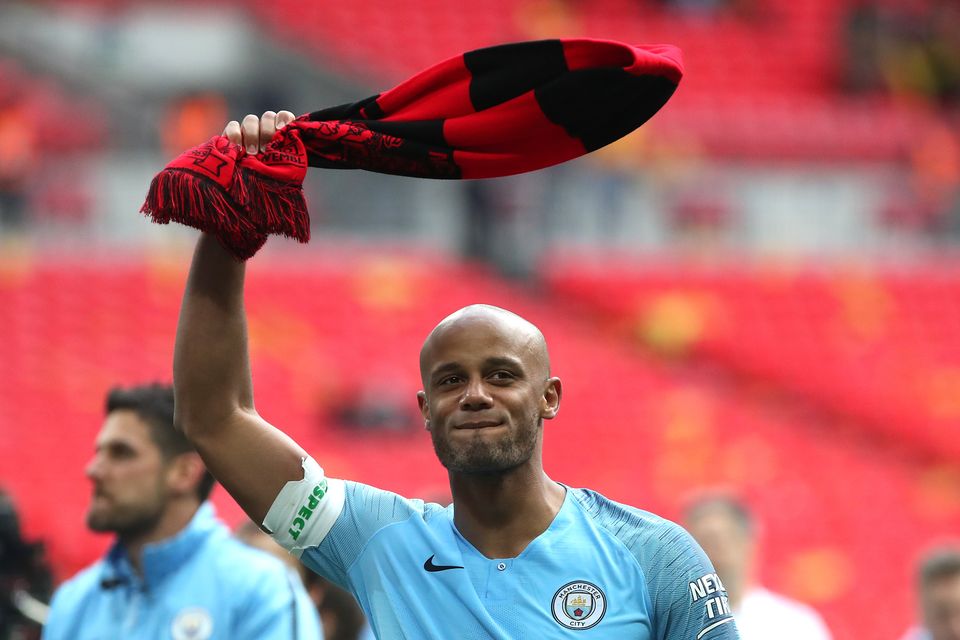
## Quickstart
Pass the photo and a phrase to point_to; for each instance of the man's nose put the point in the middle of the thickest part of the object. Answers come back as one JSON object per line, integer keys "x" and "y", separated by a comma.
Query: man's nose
{"x": 93, "y": 468}
{"x": 475, "y": 396}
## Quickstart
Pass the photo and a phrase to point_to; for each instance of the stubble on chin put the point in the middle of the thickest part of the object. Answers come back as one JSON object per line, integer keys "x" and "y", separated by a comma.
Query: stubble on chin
{"x": 477, "y": 457}
{"x": 103, "y": 522}
{"x": 122, "y": 524}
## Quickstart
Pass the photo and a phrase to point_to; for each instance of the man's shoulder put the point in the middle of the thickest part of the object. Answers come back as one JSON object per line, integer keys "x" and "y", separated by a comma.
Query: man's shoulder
{"x": 630, "y": 525}
{"x": 654, "y": 541}
{"x": 685, "y": 597}
{"x": 73, "y": 590}
{"x": 389, "y": 506}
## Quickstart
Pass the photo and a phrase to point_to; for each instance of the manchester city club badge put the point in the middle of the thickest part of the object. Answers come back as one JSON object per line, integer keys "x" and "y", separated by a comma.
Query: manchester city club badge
{"x": 192, "y": 623}
{"x": 579, "y": 605}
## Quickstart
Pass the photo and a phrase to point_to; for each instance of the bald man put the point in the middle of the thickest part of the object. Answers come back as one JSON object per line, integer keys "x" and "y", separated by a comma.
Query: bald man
{"x": 516, "y": 555}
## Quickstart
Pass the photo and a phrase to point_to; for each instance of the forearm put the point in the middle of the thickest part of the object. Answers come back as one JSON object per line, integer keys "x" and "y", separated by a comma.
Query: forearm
{"x": 211, "y": 365}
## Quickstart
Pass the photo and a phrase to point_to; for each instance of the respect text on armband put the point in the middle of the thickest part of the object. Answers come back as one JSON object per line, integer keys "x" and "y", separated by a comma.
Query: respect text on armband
{"x": 710, "y": 588}
{"x": 306, "y": 510}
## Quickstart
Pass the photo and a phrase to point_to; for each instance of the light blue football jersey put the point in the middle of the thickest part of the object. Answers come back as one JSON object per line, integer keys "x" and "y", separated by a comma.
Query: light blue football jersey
{"x": 601, "y": 570}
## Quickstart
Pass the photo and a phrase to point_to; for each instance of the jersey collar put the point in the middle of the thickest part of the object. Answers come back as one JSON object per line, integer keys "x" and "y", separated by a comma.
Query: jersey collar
{"x": 166, "y": 556}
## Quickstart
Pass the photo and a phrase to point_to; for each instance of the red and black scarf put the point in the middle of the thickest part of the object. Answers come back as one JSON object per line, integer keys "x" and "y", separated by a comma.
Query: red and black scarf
{"x": 487, "y": 113}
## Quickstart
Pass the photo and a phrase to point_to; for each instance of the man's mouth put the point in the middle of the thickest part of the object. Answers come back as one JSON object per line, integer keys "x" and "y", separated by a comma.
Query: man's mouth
{"x": 479, "y": 424}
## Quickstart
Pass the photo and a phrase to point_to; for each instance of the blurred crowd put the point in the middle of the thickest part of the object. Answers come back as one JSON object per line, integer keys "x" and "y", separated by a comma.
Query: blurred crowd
{"x": 40, "y": 138}
{"x": 908, "y": 48}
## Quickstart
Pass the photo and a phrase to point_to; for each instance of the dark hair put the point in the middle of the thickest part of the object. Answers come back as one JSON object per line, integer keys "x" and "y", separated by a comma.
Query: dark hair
{"x": 939, "y": 564}
{"x": 153, "y": 403}
{"x": 732, "y": 505}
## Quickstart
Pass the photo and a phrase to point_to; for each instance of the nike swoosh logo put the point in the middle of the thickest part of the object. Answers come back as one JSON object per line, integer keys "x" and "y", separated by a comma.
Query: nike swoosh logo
{"x": 429, "y": 566}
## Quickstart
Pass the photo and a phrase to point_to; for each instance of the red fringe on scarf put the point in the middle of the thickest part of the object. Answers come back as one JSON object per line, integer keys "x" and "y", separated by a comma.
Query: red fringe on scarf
{"x": 212, "y": 188}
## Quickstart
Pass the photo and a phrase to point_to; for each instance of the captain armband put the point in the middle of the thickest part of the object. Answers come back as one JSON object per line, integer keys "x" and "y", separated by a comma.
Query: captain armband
{"x": 305, "y": 510}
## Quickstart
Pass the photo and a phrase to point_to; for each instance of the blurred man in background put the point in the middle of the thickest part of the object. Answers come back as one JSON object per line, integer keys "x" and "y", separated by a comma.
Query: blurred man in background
{"x": 938, "y": 585}
{"x": 174, "y": 570}
{"x": 726, "y": 530}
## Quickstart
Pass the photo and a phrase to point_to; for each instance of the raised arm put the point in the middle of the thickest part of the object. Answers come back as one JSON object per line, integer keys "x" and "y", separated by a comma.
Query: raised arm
{"x": 211, "y": 368}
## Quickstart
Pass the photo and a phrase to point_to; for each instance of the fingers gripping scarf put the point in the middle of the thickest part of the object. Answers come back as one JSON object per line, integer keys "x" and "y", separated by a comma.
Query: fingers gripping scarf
{"x": 487, "y": 113}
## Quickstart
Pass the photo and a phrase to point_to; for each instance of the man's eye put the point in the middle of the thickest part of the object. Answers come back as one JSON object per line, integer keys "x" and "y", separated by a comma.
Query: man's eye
{"x": 502, "y": 375}
{"x": 449, "y": 380}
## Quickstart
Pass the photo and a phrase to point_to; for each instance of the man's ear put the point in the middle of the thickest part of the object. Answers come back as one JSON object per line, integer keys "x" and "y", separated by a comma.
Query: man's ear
{"x": 424, "y": 408}
{"x": 552, "y": 393}
{"x": 185, "y": 472}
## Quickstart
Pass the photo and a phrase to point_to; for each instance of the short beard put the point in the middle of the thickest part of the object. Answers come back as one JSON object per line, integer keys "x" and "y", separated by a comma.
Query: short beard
{"x": 131, "y": 526}
{"x": 478, "y": 457}
{"x": 129, "y": 522}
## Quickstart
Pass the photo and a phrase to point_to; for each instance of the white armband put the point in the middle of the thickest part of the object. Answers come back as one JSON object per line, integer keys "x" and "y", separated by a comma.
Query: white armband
{"x": 305, "y": 510}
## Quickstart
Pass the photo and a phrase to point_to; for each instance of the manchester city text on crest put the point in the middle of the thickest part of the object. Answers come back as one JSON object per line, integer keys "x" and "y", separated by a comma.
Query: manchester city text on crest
{"x": 579, "y": 605}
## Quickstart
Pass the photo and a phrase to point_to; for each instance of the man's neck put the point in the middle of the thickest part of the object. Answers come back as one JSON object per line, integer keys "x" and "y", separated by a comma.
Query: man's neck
{"x": 174, "y": 519}
{"x": 501, "y": 514}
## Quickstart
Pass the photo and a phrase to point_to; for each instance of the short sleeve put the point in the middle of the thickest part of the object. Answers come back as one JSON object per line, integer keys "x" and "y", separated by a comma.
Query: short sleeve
{"x": 690, "y": 602}
{"x": 687, "y": 599}
{"x": 69, "y": 608}
{"x": 366, "y": 510}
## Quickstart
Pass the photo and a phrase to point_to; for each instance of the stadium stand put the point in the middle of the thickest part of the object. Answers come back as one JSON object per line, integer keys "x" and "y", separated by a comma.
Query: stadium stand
{"x": 765, "y": 80}
{"x": 38, "y": 139}
{"x": 638, "y": 429}
{"x": 761, "y": 83}
{"x": 877, "y": 347}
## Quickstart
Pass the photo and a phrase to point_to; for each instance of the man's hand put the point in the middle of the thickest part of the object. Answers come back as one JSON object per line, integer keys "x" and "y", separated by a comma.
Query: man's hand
{"x": 255, "y": 133}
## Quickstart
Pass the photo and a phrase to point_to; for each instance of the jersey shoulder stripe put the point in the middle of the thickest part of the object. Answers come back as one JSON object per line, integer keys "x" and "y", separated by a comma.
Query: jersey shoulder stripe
{"x": 687, "y": 597}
